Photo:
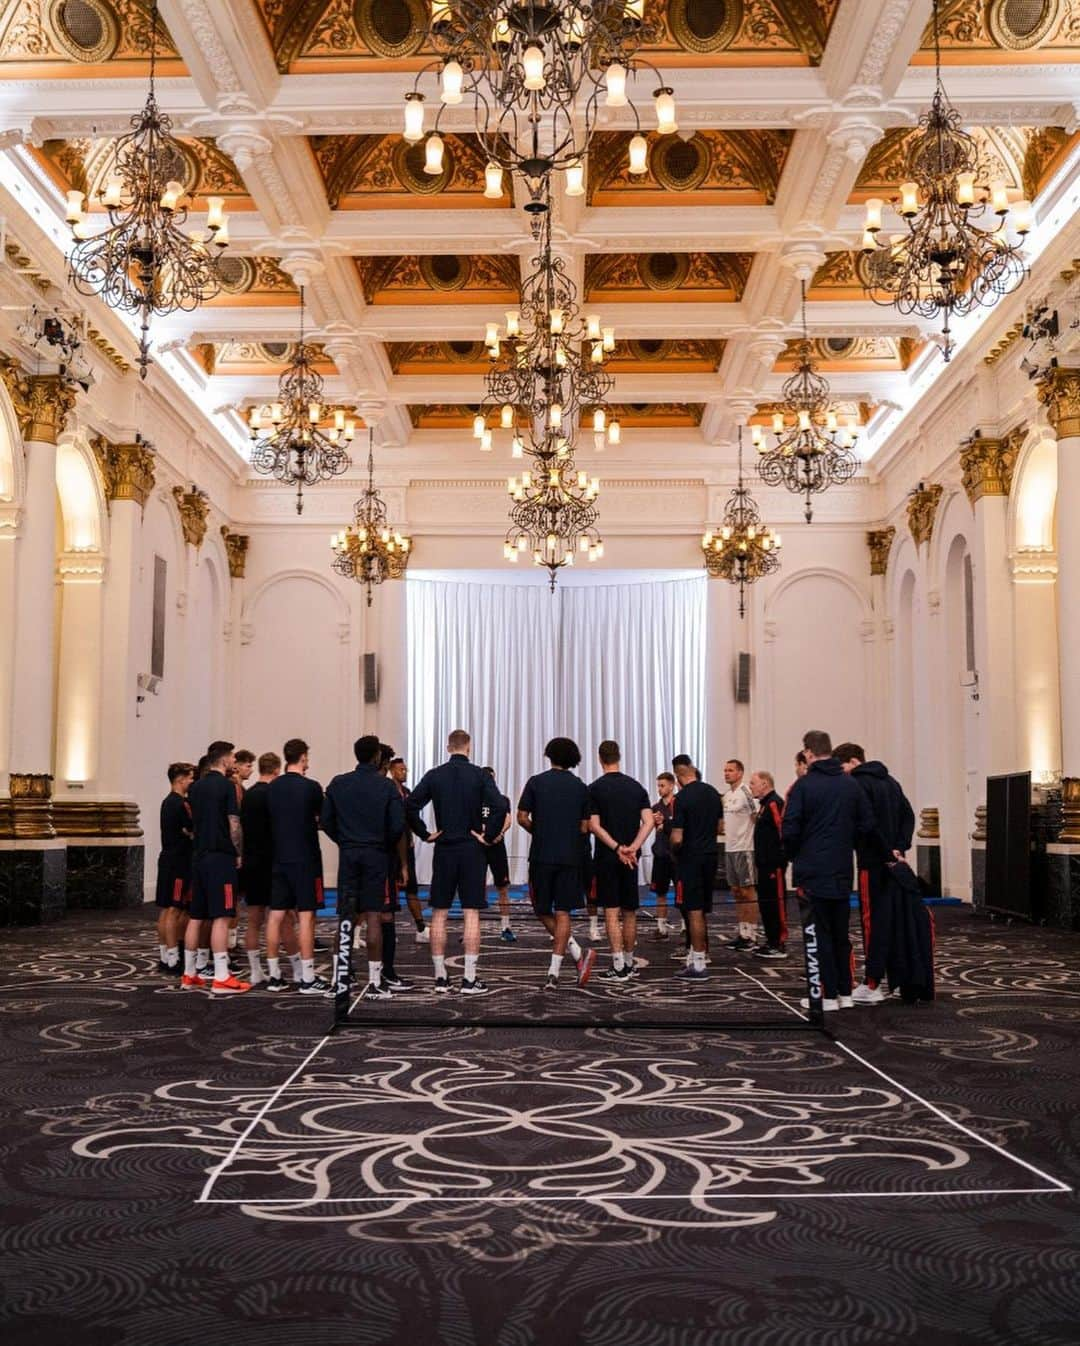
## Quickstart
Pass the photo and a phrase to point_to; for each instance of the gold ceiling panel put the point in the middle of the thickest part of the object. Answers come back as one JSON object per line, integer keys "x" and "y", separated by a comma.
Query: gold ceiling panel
{"x": 1024, "y": 156}
{"x": 667, "y": 277}
{"x": 844, "y": 354}
{"x": 839, "y": 277}
{"x": 860, "y": 412}
{"x": 437, "y": 357}
{"x": 370, "y": 171}
{"x": 203, "y": 169}
{"x": 440, "y": 279}
{"x": 309, "y": 35}
{"x": 655, "y": 415}
{"x": 70, "y": 39}
{"x": 256, "y": 357}
{"x": 253, "y": 282}
{"x": 443, "y": 415}
{"x": 1000, "y": 32}
{"x": 709, "y": 168}
{"x": 662, "y": 355}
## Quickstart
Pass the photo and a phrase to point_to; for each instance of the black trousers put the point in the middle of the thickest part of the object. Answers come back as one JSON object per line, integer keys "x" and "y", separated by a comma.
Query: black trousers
{"x": 772, "y": 904}
{"x": 836, "y": 958}
{"x": 876, "y": 912}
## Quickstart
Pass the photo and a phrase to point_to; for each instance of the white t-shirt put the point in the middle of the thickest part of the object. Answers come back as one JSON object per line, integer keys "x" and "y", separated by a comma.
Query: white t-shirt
{"x": 740, "y": 810}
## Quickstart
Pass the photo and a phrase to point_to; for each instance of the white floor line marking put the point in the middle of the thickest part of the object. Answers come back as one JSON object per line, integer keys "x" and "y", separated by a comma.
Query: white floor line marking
{"x": 588, "y": 1197}
{"x": 238, "y": 1145}
{"x": 1058, "y": 1185}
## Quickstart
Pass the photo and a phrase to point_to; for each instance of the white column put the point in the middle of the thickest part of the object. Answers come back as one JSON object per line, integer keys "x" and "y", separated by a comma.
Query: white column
{"x": 386, "y": 626}
{"x": 879, "y": 542}
{"x": 1035, "y": 664}
{"x": 34, "y": 625}
{"x": 119, "y": 656}
{"x": 78, "y": 693}
{"x": 9, "y": 521}
{"x": 1061, "y": 393}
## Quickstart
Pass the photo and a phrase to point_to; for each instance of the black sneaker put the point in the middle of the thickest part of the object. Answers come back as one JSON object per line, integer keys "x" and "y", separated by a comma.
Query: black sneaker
{"x": 765, "y": 951}
{"x": 275, "y": 984}
{"x": 176, "y": 969}
{"x": 552, "y": 983}
{"x": 163, "y": 966}
{"x": 678, "y": 955}
{"x": 373, "y": 992}
{"x": 740, "y": 945}
{"x": 443, "y": 986}
{"x": 659, "y": 935}
{"x": 314, "y": 987}
{"x": 611, "y": 974}
{"x": 633, "y": 970}
{"x": 475, "y": 987}
{"x": 393, "y": 982}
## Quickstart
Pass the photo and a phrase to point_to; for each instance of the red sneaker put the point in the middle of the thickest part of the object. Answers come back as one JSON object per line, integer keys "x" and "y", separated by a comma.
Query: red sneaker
{"x": 586, "y": 963}
{"x": 193, "y": 983}
{"x": 230, "y": 986}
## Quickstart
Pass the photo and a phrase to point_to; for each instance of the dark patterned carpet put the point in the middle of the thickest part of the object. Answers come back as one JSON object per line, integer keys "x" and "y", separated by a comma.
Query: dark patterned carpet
{"x": 176, "y": 1168}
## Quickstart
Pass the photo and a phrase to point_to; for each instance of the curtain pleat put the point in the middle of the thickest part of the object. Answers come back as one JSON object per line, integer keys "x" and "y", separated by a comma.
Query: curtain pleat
{"x": 515, "y": 666}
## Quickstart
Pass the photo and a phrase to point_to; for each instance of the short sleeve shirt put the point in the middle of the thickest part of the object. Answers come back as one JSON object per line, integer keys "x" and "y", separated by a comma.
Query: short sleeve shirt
{"x": 213, "y": 803}
{"x": 740, "y": 813}
{"x": 255, "y": 817}
{"x": 557, "y": 801}
{"x": 295, "y": 804}
{"x": 175, "y": 825}
{"x": 618, "y": 801}
{"x": 698, "y": 809}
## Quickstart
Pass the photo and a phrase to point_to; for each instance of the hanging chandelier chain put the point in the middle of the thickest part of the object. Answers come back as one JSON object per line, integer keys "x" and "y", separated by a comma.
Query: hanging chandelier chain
{"x": 370, "y": 550}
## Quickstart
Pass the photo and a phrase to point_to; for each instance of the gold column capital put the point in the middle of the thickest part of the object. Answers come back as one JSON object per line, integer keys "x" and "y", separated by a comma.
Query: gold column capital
{"x": 880, "y": 541}
{"x": 42, "y": 402}
{"x": 30, "y": 811}
{"x": 194, "y": 507}
{"x": 922, "y": 508}
{"x": 1059, "y": 392}
{"x": 236, "y": 547}
{"x": 987, "y": 464}
{"x": 126, "y": 469}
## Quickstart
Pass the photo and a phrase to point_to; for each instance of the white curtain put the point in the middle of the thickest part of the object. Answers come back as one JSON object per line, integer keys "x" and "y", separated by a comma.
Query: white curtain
{"x": 516, "y": 665}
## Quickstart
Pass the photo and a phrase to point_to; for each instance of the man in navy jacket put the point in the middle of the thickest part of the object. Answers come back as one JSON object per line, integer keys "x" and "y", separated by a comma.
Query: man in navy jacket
{"x": 826, "y": 818}
{"x": 894, "y": 820}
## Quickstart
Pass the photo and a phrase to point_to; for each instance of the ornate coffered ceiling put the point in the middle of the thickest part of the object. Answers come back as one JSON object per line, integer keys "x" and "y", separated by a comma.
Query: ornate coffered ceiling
{"x": 791, "y": 112}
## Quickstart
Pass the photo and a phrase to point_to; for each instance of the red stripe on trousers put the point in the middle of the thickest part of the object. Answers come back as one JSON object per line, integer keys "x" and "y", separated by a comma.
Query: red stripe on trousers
{"x": 864, "y": 912}
{"x": 781, "y": 897}
{"x": 228, "y": 897}
{"x": 678, "y": 893}
{"x": 178, "y": 892}
{"x": 320, "y": 897}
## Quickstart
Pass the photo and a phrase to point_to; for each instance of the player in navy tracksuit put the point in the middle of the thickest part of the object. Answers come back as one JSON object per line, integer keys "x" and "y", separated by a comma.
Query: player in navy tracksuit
{"x": 770, "y": 865}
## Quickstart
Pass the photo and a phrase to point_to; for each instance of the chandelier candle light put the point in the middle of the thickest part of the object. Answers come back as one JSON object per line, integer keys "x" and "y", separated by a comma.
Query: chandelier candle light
{"x": 298, "y": 439}
{"x": 143, "y": 262}
{"x": 811, "y": 450}
{"x": 537, "y": 76}
{"x": 553, "y": 517}
{"x": 944, "y": 261}
{"x": 742, "y": 549}
{"x": 370, "y": 550}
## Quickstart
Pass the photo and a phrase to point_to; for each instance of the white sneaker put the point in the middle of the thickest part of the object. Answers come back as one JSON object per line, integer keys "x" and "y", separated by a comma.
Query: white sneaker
{"x": 845, "y": 1002}
{"x": 863, "y": 995}
{"x": 825, "y": 1004}
{"x": 423, "y": 936}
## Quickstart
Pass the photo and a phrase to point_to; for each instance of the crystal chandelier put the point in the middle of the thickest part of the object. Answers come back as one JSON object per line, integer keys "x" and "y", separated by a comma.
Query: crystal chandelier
{"x": 742, "y": 549}
{"x": 547, "y": 366}
{"x": 812, "y": 451}
{"x": 945, "y": 263}
{"x": 553, "y": 516}
{"x": 144, "y": 263}
{"x": 370, "y": 550}
{"x": 290, "y": 440}
{"x": 537, "y": 75}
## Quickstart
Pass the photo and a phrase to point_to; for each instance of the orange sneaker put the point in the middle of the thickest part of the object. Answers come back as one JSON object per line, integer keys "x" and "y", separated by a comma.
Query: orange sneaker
{"x": 194, "y": 983}
{"x": 230, "y": 986}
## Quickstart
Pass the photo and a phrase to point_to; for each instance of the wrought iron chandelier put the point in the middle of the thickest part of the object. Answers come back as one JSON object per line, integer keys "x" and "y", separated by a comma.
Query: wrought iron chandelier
{"x": 144, "y": 263}
{"x": 742, "y": 549}
{"x": 370, "y": 550}
{"x": 298, "y": 439}
{"x": 945, "y": 263}
{"x": 537, "y": 74}
{"x": 553, "y": 517}
{"x": 547, "y": 366}
{"x": 812, "y": 451}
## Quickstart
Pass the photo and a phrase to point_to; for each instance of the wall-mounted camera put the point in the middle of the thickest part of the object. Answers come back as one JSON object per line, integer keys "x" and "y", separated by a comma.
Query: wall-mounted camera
{"x": 57, "y": 337}
{"x": 148, "y": 686}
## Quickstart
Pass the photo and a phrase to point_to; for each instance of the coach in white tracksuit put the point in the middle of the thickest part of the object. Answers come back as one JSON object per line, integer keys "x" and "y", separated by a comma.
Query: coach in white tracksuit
{"x": 740, "y": 812}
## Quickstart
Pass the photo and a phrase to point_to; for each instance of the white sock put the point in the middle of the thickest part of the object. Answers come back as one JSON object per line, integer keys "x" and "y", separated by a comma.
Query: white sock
{"x": 233, "y": 937}
{"x": 440, "y": 965}
{"x": 573, "y": 948}
{"x": 163, "y": 952}
{"x": 556, "y": 965}
{"x": 594, "y": 927}
{"x": 189, "y": 962}
{"x": 617, "y": 961}
{"x": 662, "y": 925}
{"x": 202, "y": 959}
{"x": 699, "y": 960}
{"x": 471, "y": 960}
{"x": 254, "y": 964}
{"x": 296, "y": 965}
{"x": 504, "y": 922}
{"x": 221, "y": 966}
{"x": 746, "y": 930}
{"x": 374, "y": 973}
{"x": 307, "y": 969}
{"x": 628, "y": 958}
{"x": 274, "y": 964}
{"x": 172, "y": 957}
